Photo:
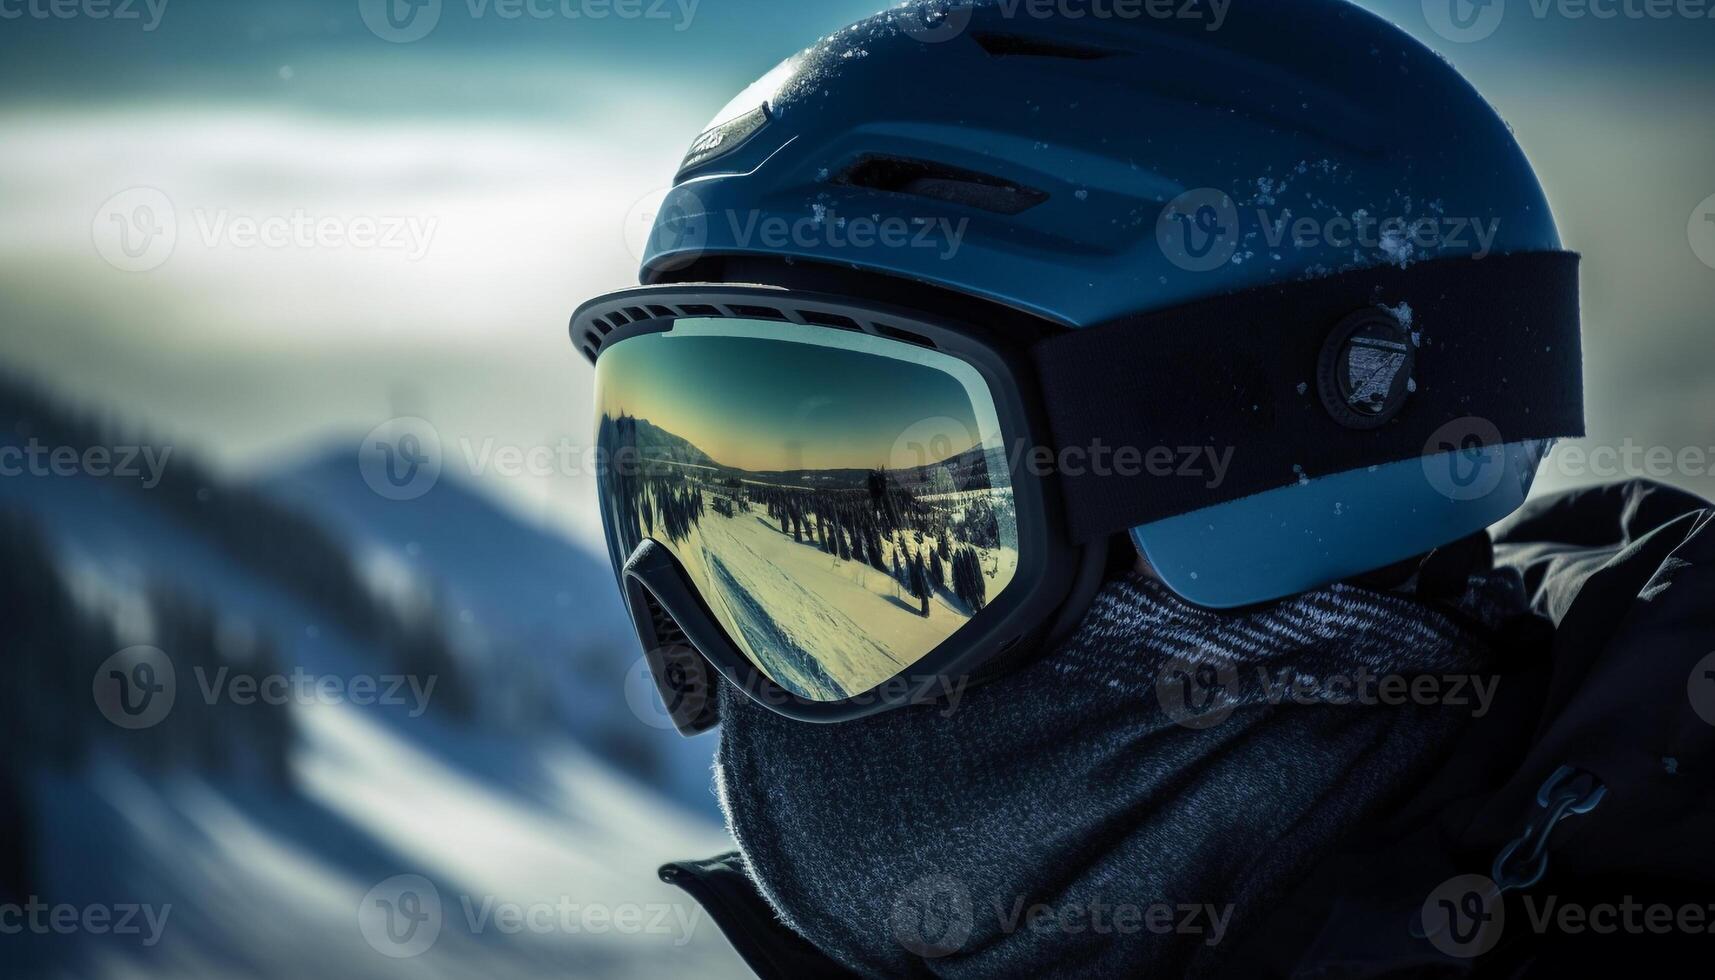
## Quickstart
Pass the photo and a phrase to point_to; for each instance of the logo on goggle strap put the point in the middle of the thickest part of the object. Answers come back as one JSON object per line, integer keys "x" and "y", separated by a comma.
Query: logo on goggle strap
{"x": 1364, "y": 374}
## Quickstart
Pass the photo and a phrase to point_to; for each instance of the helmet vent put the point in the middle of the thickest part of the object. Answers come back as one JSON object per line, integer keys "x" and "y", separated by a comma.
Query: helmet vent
{"x": 904, "y": 335}
{"x": 1001, "y": 45}
{"x": 758, "y": 312}
{"x": 829, "y": 320}
{"x": 922, "y": 178}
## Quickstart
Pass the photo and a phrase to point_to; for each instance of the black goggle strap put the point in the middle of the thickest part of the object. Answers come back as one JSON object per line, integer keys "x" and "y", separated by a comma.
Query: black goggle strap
{"x": 1308, "y": 379}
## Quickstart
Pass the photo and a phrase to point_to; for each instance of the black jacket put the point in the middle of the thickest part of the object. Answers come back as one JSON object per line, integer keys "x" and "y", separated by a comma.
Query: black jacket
{"x": 1585, "y": 798}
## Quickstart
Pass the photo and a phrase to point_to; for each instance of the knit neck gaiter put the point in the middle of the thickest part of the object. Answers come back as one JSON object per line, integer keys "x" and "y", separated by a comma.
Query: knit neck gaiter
{"x": 1126, "y": 804}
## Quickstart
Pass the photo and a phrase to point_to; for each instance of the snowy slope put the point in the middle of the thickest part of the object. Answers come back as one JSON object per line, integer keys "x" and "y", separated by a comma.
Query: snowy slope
{"x": 261, "y": 884}
{"x": 790, "y": 597}
{"x": 265, "y": 880}
{"x": 542, "y": 612}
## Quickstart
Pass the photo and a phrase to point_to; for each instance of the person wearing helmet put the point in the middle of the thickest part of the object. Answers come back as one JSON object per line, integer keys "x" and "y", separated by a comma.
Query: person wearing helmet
{"x": 1059, "y": 453}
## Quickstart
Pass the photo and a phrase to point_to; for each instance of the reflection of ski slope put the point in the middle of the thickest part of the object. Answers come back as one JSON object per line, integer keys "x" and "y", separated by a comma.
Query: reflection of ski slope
{"x": 786, "y": 599}
{"x": 771, "y": 641}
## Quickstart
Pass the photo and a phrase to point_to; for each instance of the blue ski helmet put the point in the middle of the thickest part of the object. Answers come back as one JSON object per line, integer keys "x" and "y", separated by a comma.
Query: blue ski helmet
{"x": 1138, "y": 158}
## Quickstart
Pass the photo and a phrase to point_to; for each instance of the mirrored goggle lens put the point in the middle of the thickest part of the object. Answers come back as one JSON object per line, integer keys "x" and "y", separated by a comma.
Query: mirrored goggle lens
{"x": 840, "y": 501}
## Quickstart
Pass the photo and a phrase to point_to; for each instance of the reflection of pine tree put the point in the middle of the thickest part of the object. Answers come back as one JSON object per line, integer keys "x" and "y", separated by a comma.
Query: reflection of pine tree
{"x": 920, "y": 583}
{"x": 980, "y": 526}
{"x": 968, "y": 582}
{"x": 937, "y": 572}
{"x": 876, "y": 558}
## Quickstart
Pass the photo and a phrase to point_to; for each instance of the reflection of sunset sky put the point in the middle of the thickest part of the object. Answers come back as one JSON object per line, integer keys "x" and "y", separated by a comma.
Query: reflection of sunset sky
{"x": 759, "y": 404}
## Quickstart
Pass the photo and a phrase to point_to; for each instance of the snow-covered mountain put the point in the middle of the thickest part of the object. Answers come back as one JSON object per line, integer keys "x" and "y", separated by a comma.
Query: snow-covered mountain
{"x": 305, "y": 837}
{"x": 541, "y": 614}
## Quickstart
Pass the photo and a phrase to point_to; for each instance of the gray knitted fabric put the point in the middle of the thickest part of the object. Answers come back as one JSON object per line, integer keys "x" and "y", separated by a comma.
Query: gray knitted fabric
{"x": 1078, "y": 818}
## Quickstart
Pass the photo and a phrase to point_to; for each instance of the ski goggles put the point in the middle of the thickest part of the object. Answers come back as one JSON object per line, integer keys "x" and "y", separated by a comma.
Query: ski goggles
{"x": 813, "y": 500}
{"x": 841, "y": 506}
